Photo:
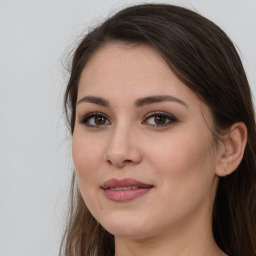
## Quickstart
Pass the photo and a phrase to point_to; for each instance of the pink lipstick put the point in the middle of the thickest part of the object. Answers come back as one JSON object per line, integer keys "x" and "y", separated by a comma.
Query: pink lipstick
{"x": 125, "y": 189}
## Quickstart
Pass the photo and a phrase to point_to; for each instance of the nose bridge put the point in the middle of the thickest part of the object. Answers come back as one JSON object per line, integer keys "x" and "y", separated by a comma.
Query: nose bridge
{"x": 122, "y": 147}
{"x": 121, "y": 132}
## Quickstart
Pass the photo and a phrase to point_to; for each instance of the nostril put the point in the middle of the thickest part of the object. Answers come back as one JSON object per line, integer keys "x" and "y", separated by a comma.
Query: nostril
{"x": 122, "y": 156}
{"x": 119, "y": 164}
{"x": 108, "y": 161}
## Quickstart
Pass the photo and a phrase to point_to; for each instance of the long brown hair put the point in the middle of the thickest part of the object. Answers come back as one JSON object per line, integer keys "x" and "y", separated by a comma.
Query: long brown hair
{"x": 203, "y": 57}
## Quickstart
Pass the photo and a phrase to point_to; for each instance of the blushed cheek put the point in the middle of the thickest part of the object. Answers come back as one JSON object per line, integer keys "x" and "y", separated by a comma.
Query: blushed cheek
{"x": 81, "y": 159}
{"x": 84, "y": 165}
{"x": 184, "y": 158}
{"x": 87, "y": 160}
{"x": 85, "y": 170}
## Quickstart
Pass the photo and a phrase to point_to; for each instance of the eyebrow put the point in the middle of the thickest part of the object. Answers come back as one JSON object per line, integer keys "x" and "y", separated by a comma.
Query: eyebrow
{"x": 156, "y": 99}
{"x": 95, "y": 100}
{"x": 138, "y": 103}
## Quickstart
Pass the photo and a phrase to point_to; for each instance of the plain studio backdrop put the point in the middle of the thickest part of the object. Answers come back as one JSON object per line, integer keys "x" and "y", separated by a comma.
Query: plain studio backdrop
{"x": 35, "y": 168}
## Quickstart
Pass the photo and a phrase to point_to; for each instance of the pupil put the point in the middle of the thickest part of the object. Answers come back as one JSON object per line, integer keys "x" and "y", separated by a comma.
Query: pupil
{"x": 160, "y": 119}
{"x": 99, "y": 120}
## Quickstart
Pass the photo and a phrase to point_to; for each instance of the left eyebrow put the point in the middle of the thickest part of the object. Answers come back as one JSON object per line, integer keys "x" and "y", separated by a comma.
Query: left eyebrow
{"x": 156, "y": 99}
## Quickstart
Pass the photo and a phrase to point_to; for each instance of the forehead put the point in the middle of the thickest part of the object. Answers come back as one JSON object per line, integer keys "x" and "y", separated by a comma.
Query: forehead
{"x": 127, "y": 69}
{"x": 129, "y": 66}
{"x": 124, "y": 62}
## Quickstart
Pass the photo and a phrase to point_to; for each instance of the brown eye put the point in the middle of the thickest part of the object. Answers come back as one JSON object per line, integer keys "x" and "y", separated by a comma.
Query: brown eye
{"x": 95, "y": 120}
{"x": 99, "y": 120}
{"x": 160, "y": 120}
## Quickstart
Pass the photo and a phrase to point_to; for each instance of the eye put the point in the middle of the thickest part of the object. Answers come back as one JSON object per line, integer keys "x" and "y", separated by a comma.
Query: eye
{"x": 95, "y": 120}
{"x": 159, "y": 119}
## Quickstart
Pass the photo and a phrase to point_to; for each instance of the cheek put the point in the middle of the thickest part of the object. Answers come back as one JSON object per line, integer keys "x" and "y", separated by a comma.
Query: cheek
{"x": 185, "y": 172}
{"x": 184, "y": 161}
{"x": 85, "y": 157}
{"x": 86, "y": 161}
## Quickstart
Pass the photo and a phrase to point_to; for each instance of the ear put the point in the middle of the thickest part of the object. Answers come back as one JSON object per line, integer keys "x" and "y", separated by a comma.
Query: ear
{"x": 231, "y": 152}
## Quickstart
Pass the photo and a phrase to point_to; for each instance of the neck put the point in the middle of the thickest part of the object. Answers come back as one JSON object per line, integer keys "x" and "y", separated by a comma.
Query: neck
{"x": 155, "y": 247}
{"x": 191, "y": 237}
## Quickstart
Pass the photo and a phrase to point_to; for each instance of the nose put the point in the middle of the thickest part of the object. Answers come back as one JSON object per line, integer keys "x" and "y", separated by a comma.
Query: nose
{"x": 122, "y": 148}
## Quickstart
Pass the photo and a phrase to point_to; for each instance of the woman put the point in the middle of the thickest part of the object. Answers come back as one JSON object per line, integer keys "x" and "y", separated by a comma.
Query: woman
{"x": 164, "y": 139}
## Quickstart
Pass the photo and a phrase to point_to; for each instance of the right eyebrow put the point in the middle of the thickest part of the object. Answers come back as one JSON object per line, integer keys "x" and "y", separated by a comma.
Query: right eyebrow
{"x": 95, "y": 100}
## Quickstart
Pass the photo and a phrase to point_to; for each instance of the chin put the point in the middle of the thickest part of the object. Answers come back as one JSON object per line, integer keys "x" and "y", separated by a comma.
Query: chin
{"x": 125, "y": 226}
{"x": 127, "y": 231}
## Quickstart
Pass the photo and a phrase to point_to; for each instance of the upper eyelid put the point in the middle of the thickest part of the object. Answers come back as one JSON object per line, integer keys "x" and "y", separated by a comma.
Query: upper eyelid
{"x": 155, "y": 113}
{"x": 172, "y": 119}
{"x": 93, "y": 114}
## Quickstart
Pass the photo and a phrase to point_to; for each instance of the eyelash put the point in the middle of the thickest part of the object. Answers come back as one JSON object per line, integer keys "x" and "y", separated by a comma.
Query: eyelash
{"x": 170, "y": 118}
{"x": 85, "y": 120}
{"x": 167, "y": 117}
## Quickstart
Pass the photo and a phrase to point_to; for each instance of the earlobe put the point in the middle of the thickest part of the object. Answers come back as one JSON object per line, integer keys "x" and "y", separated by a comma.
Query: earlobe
{"x": 233, "y": 149}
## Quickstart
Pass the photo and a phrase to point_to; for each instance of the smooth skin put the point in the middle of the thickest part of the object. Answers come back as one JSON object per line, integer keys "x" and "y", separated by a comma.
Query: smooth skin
{"x": 165, "y": 141}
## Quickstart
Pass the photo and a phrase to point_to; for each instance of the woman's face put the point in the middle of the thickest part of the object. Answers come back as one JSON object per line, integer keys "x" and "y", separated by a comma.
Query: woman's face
{"x": 142, "y": 147}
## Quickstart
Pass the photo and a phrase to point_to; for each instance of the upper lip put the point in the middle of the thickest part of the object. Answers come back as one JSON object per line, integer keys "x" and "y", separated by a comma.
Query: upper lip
{"x": 127, "y": 182}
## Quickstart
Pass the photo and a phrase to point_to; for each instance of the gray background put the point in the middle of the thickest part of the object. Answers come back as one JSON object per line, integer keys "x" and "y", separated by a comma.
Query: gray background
{"x": 35, "y": 167}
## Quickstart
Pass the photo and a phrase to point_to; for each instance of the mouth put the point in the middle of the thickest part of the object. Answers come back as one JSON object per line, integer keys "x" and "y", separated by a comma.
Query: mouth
{"x": 125, "y": 189}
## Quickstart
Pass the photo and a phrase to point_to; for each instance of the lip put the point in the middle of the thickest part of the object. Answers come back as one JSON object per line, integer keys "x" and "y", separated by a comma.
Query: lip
{"x": 125, "y": 189}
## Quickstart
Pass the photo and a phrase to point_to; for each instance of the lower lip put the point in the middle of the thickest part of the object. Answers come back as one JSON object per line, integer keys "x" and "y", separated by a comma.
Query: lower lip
{"x": 125, "y": 195}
